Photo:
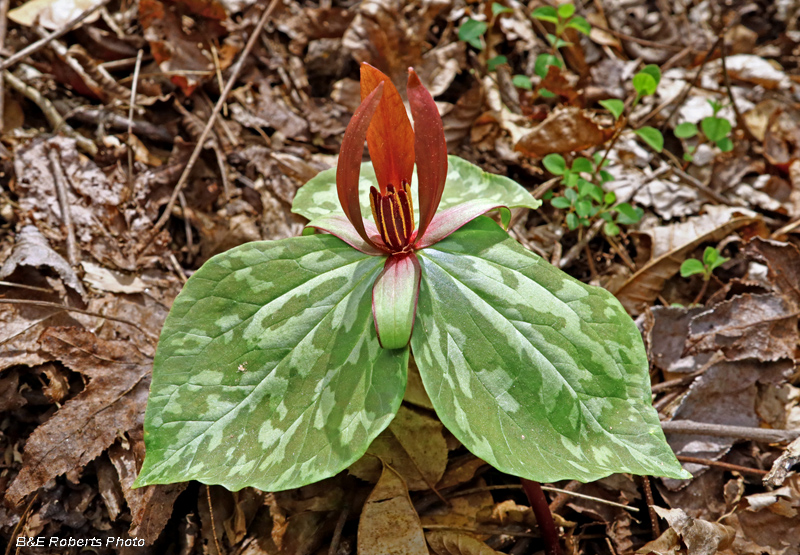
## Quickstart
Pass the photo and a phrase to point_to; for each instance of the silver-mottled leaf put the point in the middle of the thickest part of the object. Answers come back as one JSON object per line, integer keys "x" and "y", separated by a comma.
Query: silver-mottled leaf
{"x": 536, "y": 373}
{"x": 269, "y": 372}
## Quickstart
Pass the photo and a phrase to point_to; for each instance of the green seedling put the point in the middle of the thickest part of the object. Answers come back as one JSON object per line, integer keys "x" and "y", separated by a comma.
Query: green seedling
{"x": 563, "y": 17}
{"x": 711, "y": 261}
{"x": 714, "y": 130}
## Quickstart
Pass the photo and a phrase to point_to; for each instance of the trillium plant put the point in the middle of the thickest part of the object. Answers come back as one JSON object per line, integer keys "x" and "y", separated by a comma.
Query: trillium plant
{"x": 281, "y": 361}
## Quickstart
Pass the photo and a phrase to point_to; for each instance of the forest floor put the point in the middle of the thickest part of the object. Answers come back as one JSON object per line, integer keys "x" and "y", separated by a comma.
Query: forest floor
{"x": 112, "y": 194}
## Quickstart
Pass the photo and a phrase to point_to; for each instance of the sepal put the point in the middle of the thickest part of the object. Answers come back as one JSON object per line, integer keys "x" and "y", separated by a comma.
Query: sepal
{"x": 394, "y": 300}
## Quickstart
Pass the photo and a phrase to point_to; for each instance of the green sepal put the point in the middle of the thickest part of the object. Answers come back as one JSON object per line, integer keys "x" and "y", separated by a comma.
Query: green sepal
{"x": 394, "y": 300}
{"x": 536, "y": 373}
{"x": 269, "y": 372}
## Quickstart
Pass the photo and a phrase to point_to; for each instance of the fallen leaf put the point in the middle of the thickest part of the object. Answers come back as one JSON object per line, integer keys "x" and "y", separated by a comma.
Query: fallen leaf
{"x": 32, "y": 249}
{"x": 566, "y": 130}
{"x": 112, "y": 402}
{"x": 52, "y": 14}
{"x": 454, "y": 543}
{"x": 700, "y": 536}
{"x": 110, "y": 280}
{"x": 389, "y": 523}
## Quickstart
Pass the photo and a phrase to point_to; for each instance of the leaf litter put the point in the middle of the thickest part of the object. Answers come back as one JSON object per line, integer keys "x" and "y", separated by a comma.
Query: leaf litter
{"x": 86, "y": 284}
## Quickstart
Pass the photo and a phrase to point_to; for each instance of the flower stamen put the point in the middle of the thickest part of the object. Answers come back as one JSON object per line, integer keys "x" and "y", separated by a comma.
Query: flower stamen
{"x": 394, "y": 215}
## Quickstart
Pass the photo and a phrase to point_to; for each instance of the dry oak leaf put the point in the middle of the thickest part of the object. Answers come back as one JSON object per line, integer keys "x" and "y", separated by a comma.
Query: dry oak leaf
{"x": 566, "y": 130}
{"x": 454, "y": 543}
{"x": 389, "y": 523}
{"x": 86, "y": 425}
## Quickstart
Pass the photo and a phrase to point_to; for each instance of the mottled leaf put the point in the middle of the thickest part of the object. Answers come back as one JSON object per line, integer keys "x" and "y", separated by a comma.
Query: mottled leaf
{"x": 268, "y": 372}
{"x": 538, "y": 374}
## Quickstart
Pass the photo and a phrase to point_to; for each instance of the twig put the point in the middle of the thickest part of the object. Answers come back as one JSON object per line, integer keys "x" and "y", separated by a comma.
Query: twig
{"x": 39, "y": 44}
{"x": 211, "y": 515}
{"x": 60, "y": 179}
{"x": 47, "y": 304}
{"x": 663, "y": 386}
{"x": 53, "y": 116}
{"x": 23, "y": 286}
{"x": 561, "y": 491}
{"x": 740, "y": 121}
{"x": 720, "y": 464}
{"x": 337, "y": 532}
{"x": 648, "y": 496}
{"x": 697, "y": 184}
{"x": 212, "y": 118}
{"x": 136, "y": 69}
{"x": 544, "y": 518}
{"x": 720, "y": 430}
{"x": 3, "y": 27}
{"x": 643, "y": 42}
{"x": 562, "y": 498}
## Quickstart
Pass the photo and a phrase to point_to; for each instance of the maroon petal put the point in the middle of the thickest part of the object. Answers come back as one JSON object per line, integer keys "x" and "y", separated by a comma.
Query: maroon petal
{"x": 390, "y": 137}
{"x": 349, "y": 166}
{"x": 430, "y": 148}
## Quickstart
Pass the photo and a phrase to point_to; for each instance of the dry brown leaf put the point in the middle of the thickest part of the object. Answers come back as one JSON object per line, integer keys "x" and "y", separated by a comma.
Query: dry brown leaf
{"x": 464, "y": 511}
{"x": 671, "y": 246}
{"x": 113, "y": 402}
{"x": 668, "y": 543}
{"x": 565, "y": 130}
{"x": 783, "y": 264}
{"x": 460, "y": 471}
{"x": 746, "y": 326}
{"x": 780, "y": 468}
{"x": 700, "y": 536}
{"x": 389, "y": 523}
{"x": 455, "y": 543}
{"x": 413, "y": 445}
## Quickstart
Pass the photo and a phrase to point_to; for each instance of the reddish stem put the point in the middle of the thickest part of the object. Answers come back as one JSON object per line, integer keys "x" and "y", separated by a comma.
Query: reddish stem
{"x": 544, "y": 518}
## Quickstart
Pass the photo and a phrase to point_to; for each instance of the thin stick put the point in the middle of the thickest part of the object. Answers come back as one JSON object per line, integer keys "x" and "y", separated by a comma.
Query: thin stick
{"x": 136, "y": 69}
{"x": 648, "y": 496}
{"x": 544, "y": 518}
{"x": 738, "y": 432}
{"x": 724, "y": 465}
{"x": 79, "y": 311}
{"x": 566, "y": 492}
{"x": 23, "y": 286}
{"x": 3, "y": 27}
{"x": 337, "y": 532}
{"x": 211, "y": 514}
{"x": 63, "y": 199}
{"x": 39, "y": 44}
{"x": 212, "y": 118}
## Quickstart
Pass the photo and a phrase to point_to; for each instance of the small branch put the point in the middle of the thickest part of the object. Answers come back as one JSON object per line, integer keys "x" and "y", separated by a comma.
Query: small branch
{"x": 53, "y": 116}
{"x": 73, "y": 254}
{"x": 3, "y": 28}
{"x": 544, "y": 518}
{"x": 130, "y": 114}
{"x": 648, "y": 496}
{"x": 578, "y": 247}
{"x": 738, "y": 432}
{"x": 41, "y": 43}
{"x": 723, "y": 465}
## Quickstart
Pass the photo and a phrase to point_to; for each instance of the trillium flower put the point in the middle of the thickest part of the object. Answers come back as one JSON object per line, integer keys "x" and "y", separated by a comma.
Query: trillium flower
{"x": 394, "y": 149}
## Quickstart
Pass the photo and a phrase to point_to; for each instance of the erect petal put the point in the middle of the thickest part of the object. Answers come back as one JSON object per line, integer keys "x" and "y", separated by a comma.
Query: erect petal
{"x": 341, "y": 227}
{"x": 350, "y": 155}
{"x": 431, "y": 149}
{"x": 390, "y": 137}
{"x": 452, "y": 219}
{"x": 394, "y": 300}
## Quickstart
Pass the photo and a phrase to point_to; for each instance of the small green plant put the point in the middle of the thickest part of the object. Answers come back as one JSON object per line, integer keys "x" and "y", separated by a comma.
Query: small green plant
{"x": 584, "y": 200}
{"x": 563, "y": 17}
{"x": 281, "y": 361}
{"x": 711, "y": 261}
{"x": 645, "y": 83}
{"x": 714, "y": 128}
{"x": 471, "y": 32}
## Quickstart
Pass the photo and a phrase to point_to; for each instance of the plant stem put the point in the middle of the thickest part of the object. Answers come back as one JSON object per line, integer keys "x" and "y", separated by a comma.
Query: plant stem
{"x": 544, "y": 518}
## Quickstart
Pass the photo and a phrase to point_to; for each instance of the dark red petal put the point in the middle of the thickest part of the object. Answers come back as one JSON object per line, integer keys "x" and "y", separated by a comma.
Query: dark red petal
{"x": 390, "y": 137}
{"x": 349, "y": 165}
{"x": 431, "y": 150}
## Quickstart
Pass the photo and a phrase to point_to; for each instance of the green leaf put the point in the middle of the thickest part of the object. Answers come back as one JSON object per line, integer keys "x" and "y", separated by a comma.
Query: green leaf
{"x": 686, "y": 130}
{"x": 571, "y": 194}
{"x": 544, "y": 93}
{"x": 471, "y": 32}
{"x": 652, "y": 137}
{"x": 465, "y": 182}
{"x": 545, "y": 13}
{"x": 493, "y": 63}
{"x": 644, "y": 84}
{"x": 692, "y": 266}
{"x": 561, "y": 203}
{"x": 725, "y": 144}
{"x": 523, "y": 82}
{"x": 712, "y": 258}
{"x": 606, "y": 176}
{"x": 610, "y": 197}
{"x": 555, "y": 164}
{"x": 653, "y": 71}
{"x": 583, "y": 208}
{"x": 627, "y": 214}
{"x": 268, "y": 372}
{"x": 572, "y": 221}
{"x": 613, "y": 105}
{"x": 498, "y": 8}
{"x": 565, "y": 11}
{"x": 610, "y": 228}
{"x": 580, "y": 24}
{"x": 715, "y": 128}
{"x": 543, "y": 61}
{"x": 536, "y": 373}
{"x": 582, "y": 165}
